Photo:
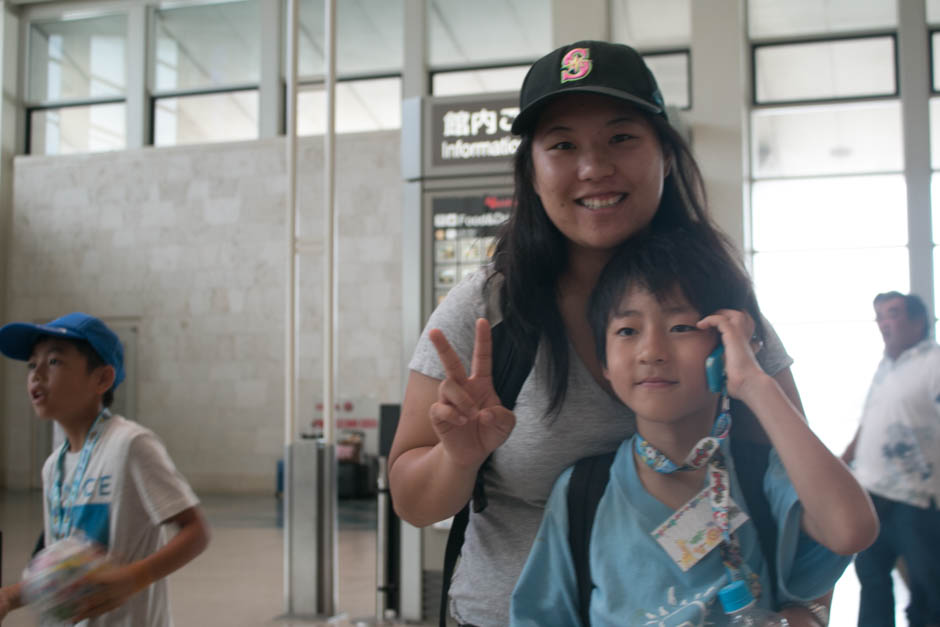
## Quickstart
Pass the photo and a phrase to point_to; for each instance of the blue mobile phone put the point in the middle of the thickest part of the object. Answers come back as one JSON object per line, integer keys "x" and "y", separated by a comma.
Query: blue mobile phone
{"x": 715, "y": 369}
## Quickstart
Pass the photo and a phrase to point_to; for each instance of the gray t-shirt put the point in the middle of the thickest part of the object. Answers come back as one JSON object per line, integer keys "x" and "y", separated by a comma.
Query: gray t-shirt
{"x": 522, "y": 471}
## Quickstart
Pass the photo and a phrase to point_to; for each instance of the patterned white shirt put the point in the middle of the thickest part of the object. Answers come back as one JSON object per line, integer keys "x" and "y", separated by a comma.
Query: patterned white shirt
{"x": 897, "y": 455}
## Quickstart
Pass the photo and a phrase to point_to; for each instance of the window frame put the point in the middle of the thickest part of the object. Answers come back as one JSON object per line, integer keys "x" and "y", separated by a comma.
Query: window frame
{"x": 319, "y": 83}
{"x": 931, "y": 31}
{"x": 30, "y": 105}
{"x": 184, "y": 93}
{"x": 154, "y": 94}
{"x": 680, "y": 50}
{"x": 687, "y": 52}
{"x": 447, "y": 69}
{"x": 814, "y": 39}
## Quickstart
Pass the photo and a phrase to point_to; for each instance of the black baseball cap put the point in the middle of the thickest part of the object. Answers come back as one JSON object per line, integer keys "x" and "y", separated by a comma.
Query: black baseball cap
{"x": 595, "y": 67}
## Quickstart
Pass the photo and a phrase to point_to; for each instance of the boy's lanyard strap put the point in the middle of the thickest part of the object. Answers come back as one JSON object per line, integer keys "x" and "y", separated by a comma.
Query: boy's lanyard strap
{"x": 61, "y": 511}
{"x": 707, "y": 452}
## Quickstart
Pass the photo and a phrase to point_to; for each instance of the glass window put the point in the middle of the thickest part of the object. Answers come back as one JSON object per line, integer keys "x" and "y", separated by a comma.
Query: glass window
{"x": 465, "y": 33}
{"x": 833, "y": 285}
{"x": 840, "y": 69}
{"x": 672, "y": 75}
{"x": 651, "y": 23}
{"x": 208, "y": 45}
{"x": 372, "y": 105}
{"x": 781, "y": 146}
{"x": 773, "y": 18}
{"x": 935, "y": 60}
{"x": 820, "y": 305}
{"x": 829, "y": 356}
{"x": 486, "y": 81}
{"x": 77, "y": 129}
{"x": 935, "y": 135}
{"x": 936, "y": 284}
{"x": 933, "y": 11}
{"x": 228, "y": 116}
{"x": 935, "y": 213}
{"x": 829, "y": 199}
{"x": 368, "y": 40}
{"x": 77, "y": 59}
{"x": 845, "y": 212}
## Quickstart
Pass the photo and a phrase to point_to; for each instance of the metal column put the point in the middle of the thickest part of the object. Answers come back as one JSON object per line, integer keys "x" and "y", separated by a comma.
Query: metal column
{"x": 310, "y": 542}
{"x": 311, "y": 494}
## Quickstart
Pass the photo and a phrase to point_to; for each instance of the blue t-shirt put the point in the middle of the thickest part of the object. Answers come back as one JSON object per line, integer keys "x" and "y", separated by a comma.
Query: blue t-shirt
{"x": 637, "y": 582}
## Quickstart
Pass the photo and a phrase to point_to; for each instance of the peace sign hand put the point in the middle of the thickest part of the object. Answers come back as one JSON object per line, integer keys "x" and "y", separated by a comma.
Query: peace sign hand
{"x": 468, "y": 416}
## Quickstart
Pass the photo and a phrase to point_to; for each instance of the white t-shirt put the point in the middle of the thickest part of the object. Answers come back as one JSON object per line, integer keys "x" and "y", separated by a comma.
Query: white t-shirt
{"x": 897, "y": 455}
{"x": 130, "y": 487}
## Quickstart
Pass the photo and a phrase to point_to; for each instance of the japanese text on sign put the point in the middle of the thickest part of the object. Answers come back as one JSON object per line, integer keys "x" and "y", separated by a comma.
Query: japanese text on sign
{"x": 463, "y": 123}
{"x": 483, "y": 122}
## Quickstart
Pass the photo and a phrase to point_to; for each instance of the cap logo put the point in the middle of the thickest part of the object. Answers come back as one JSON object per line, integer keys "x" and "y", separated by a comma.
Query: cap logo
{"x": 576, "y": 64}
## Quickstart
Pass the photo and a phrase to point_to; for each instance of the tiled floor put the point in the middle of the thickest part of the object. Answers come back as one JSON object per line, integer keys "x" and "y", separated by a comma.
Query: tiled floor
{"x": 237, "y": 582}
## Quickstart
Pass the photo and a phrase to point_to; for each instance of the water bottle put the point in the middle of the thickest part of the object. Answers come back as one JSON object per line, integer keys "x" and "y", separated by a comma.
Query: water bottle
{"x": 742, "y": 610}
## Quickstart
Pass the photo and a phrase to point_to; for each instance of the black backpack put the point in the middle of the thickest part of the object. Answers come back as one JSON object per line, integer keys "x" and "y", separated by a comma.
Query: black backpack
{"x": 511, "y": 367}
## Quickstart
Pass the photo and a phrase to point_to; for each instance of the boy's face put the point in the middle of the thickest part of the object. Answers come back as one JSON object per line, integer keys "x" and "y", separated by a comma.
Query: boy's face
{"x": 656, "y": 358}
{"x": 60, "y": 384}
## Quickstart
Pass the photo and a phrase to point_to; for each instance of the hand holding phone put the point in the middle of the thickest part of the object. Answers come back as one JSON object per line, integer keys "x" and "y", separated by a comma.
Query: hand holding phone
{"x": 715, "y": 369}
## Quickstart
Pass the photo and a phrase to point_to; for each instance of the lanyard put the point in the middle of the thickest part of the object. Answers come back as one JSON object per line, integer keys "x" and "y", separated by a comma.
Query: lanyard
{"x": 61, "y": 511}
{"x": 707, "y": 452}
{"x": 701, "y": 453}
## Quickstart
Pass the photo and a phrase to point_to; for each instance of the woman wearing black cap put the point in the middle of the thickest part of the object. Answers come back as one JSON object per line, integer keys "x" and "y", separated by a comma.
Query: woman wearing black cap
{"x": 598, "y": 164}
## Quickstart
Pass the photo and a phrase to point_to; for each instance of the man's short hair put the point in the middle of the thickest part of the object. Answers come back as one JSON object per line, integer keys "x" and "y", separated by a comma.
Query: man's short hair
{"x": 913, "y": 304}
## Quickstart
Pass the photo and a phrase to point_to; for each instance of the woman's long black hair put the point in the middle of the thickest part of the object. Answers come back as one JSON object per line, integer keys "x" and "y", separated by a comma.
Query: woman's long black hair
{"x": 532, "y": 254}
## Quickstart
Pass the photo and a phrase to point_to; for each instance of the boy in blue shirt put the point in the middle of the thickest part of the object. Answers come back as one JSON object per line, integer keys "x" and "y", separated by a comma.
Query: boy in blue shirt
{"x": 668, "y": 532}
{"x": 111, "y": 481}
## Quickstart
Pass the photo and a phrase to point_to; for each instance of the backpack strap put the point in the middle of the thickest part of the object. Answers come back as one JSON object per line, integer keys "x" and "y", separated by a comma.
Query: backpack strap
{"x": 750, "y": 465}
{"x": 587, "y": 484}
{"x": 750, "y": 449}
{"x": 511, "y": 368}
{"x": 455, "y": 536}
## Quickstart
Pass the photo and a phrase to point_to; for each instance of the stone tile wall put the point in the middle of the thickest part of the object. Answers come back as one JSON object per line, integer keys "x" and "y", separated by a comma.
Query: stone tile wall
{"x": 188, "y": 244}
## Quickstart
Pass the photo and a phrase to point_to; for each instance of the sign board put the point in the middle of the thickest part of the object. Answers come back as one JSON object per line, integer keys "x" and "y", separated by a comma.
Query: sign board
{"x": 457, "y": 136}
{"x": 472, "y": 132}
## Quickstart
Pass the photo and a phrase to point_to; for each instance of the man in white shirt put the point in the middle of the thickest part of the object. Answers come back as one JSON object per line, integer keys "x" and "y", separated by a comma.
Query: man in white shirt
{"x": 896, "y": 457}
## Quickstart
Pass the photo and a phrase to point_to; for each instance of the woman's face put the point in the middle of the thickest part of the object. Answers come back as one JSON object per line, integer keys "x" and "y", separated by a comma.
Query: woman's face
{"x": 598, "y": 169}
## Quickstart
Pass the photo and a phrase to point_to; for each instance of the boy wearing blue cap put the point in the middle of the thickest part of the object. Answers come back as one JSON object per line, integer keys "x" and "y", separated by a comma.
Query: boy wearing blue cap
{"x": 112, "y": 480}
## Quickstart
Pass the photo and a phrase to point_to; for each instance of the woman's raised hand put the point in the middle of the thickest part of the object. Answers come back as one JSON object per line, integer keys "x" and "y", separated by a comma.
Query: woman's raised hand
{"x": 468, "y": 417}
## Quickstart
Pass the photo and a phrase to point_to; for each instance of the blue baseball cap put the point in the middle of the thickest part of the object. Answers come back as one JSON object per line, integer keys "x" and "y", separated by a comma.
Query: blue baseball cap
{"x": 17, "y": 339}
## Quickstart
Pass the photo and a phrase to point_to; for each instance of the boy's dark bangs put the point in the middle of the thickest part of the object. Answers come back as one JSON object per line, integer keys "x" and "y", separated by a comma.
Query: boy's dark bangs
{"x": 704, "y": 271}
